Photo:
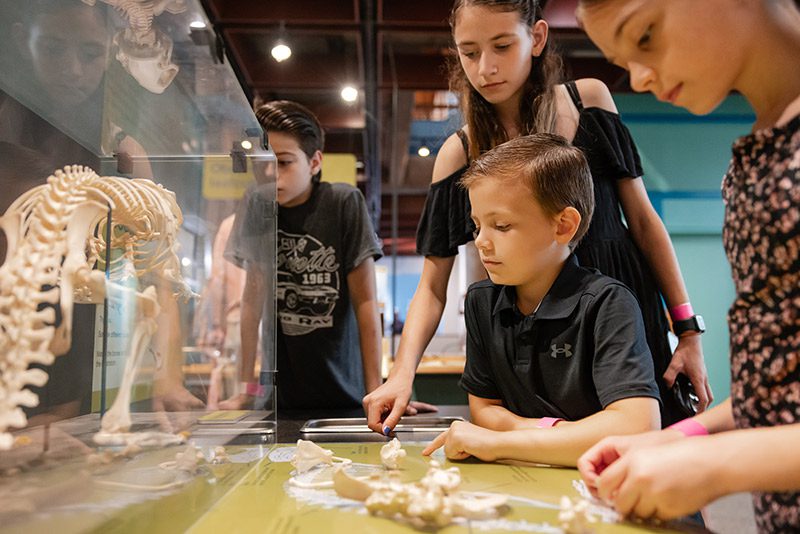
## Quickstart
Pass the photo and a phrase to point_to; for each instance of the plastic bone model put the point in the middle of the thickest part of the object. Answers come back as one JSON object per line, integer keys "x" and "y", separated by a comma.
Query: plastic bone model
{"x": 308, "y": 455}
{"x": 434, "y": 501}
{"x": 392, "y": 454}
{"x": 144, "y": 51}
{"x": 49, "y": 228}
{"x": 576, "y": 517}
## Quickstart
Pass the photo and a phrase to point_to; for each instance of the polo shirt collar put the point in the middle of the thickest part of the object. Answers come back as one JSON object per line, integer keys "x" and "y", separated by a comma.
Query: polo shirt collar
{"x": 560, "y": 300}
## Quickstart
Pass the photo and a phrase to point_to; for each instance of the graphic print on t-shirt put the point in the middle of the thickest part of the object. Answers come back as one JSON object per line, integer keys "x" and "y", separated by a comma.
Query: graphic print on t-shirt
{"x": 308, "y": 283}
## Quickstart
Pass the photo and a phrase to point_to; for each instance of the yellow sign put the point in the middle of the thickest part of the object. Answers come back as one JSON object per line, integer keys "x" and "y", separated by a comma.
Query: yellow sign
{"x": 221, "y": 183}
{"x": 219, "y": 180}
{"x": 339, "y": 168}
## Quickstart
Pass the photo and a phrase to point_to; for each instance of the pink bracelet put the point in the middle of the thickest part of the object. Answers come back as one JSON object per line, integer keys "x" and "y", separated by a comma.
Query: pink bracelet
{"x": 681, "y": 312}
{"x": 254, "y": 389}
{"x": 548, "y": 422}
{"x": 690, "y": 427}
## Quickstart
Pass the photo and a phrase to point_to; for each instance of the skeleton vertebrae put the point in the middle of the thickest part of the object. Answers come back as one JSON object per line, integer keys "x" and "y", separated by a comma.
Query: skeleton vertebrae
{"x": 48, "y": 230}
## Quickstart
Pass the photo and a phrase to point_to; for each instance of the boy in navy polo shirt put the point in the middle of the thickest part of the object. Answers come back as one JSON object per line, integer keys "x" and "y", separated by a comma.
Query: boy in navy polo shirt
{"x": 556, "y": 354}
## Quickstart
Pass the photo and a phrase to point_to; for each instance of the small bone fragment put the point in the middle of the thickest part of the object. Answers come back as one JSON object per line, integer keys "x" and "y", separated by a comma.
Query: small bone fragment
{"x": 575, "y": 517}
{"x": 392, "y": 454}
{"x": 308, "y": 454}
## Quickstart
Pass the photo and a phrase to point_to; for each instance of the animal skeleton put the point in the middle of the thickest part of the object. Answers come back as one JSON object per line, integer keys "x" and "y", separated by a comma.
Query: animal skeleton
{"x": 49, "y": 230}
{"x": 434, "y": 501}
{"x": 144, "y": 51}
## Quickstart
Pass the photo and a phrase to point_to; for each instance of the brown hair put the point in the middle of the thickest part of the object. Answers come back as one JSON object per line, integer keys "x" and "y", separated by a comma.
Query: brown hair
{"x": 296, "y": 120}
{"x": 549, "y": 166}
{"x": 537, "y": 108}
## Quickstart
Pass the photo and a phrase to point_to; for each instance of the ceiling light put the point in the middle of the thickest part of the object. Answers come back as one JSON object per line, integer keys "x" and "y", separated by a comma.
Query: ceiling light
{"x": 198, "y": 25}
{"x": 424, "y": 151}
{"x": 349, "y": 93}
{"x": 247, "y": 145}
{"x": 281, "y": 51}
{"x": 186, "y": 262}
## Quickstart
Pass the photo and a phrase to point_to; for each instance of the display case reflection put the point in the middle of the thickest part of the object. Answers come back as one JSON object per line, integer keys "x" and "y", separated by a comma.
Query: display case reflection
{"x": 106, "y": 94}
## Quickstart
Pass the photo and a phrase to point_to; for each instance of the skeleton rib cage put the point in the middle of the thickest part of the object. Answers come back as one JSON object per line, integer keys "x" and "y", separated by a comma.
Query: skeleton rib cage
{"x": 56, "y": 235}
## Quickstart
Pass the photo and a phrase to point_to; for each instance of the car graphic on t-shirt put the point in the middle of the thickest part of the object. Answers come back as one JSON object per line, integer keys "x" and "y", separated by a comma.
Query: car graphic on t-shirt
{"x": 318, "y": 300}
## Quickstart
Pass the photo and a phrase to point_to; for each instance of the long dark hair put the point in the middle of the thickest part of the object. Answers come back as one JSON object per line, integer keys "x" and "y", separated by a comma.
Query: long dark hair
{"x": 537, "y": 107}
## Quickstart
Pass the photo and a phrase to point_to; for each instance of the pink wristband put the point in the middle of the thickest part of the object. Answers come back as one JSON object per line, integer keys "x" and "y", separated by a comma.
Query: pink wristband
{"x": 548, "y": 422}
{"x": 253, "y": 389}
{"x": 690, "y": 427}
{"x": 681, "y": 312}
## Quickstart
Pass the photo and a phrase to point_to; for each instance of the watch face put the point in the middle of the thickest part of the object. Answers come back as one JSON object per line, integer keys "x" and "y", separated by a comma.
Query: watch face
{"x": 694, "y": 323}
{"x": 701, "y": 324}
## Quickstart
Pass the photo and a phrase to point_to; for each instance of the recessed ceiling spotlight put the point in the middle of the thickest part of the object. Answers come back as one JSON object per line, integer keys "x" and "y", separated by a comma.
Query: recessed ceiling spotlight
{"x": 424, "y": 151}
{"x": 198, "y": 25}
{"x": 349, "y": 93}
{"x": 247, "y": 145}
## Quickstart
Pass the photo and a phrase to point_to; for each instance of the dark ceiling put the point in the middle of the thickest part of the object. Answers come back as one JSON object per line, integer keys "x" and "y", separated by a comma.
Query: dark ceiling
{"x": 395, "y": 53}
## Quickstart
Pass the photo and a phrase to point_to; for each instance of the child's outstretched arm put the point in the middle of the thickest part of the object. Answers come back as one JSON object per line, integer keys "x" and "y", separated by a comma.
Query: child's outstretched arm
{"x": 673, "y": 479}
{"x": 363, "y": 294}
{"x": 385, "y": 406}
{"x": 608, "y": 450}
{"x": 491, "y": 414}
{"x": 650, "y": 235}
{"x": 252, "y": 309}
{"x": 559, "y": 445}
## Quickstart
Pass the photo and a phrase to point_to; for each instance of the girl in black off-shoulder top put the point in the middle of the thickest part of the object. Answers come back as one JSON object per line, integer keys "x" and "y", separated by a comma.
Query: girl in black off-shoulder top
{"x": 608, "y": 246}
{"x": 499, "y": 43}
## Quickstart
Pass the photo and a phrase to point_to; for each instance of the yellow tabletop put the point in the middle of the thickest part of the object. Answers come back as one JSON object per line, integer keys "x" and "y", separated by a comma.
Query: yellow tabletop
{"x": 264, "y": 501}
{"x": 252, "y": 494}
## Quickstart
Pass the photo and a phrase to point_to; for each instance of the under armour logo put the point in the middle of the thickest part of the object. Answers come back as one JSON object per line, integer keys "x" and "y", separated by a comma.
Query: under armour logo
{"x": 558, "y": 351}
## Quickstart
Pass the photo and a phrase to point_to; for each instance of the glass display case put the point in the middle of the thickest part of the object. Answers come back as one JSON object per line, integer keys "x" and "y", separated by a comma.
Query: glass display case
{"x": 129, "y": 156}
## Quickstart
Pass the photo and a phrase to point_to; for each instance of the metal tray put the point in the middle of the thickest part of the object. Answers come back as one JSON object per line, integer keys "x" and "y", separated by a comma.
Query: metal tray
{"x": 356, "y": 425}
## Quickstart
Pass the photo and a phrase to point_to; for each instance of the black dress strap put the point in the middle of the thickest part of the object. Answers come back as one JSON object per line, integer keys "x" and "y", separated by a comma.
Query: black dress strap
{"x": 574, "y": 94}
{"x": 464, "y": 141}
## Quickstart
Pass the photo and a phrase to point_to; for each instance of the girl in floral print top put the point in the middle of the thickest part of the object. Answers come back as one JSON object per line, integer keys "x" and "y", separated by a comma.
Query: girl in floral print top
{"x": 693, "y": 54}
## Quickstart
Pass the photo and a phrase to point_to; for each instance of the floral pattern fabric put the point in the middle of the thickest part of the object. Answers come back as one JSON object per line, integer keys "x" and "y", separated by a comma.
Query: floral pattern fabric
{"x": 761, "y": 234}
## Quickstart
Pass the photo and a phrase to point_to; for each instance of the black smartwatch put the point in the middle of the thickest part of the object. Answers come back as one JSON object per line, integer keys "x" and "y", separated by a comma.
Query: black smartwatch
{"x": 694, "y": 323}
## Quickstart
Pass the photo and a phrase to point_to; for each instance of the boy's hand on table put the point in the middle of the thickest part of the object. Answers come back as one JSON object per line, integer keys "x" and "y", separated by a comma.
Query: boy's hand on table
{"x": 594, "y": 462}
{"x": 242, "y": 401}
{"x": 177, "y": 399}
{"x": 463, "y": 440}
{"x": 663, "y": 481}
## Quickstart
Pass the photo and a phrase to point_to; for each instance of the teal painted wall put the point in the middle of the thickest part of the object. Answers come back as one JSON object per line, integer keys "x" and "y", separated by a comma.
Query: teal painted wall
{"x": 684, "y": 158}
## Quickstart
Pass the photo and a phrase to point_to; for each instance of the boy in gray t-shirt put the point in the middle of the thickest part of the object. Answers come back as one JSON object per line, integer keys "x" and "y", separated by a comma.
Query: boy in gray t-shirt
{"x": 329, "y": 337}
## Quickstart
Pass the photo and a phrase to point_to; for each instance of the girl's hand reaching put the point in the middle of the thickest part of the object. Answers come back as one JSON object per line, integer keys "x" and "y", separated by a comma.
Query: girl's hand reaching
{"x": 644, "y": 481}
{"x": 594, "y": 462}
